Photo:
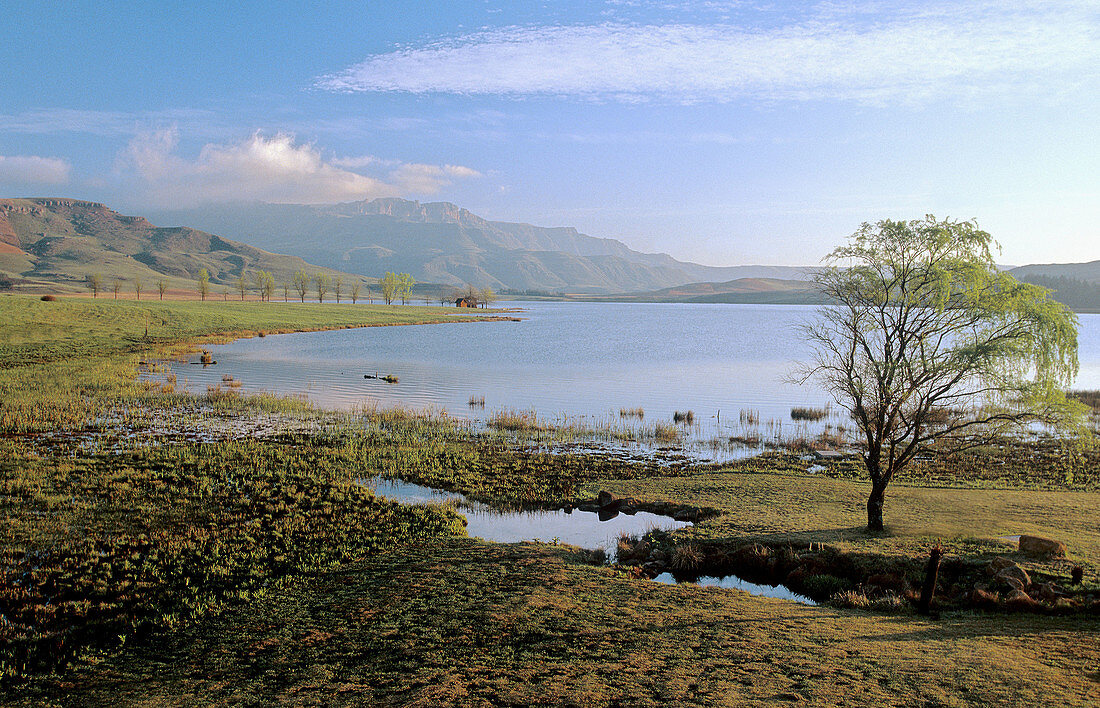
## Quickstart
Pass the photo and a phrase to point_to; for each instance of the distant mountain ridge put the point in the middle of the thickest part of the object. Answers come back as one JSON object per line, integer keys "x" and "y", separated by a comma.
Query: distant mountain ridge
{"x": 61, "y": 241}
{"x": 444, "y": 243}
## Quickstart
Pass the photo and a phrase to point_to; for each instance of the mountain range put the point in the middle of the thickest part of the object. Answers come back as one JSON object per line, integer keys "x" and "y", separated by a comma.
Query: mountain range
{"x": 49, "y": 242}
{"x": 61, "y": 241}
{"x": 443, "y": 243}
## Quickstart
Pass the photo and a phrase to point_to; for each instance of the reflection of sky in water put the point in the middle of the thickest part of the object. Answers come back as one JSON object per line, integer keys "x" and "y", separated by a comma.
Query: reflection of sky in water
{"x": 577, "y": 528}
{"x": 564, "y": 359}
{"x": 735, "y": 583}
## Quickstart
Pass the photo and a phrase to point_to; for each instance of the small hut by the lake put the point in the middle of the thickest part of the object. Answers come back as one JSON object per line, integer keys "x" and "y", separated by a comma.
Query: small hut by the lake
{"x": 466, "y": 302}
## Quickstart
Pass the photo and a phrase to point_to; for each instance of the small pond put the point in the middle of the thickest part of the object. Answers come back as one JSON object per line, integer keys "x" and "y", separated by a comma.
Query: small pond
{"x": 586, "y": 529}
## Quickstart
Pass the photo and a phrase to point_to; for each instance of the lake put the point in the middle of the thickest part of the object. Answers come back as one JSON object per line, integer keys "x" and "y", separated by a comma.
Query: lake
{"x": 565, "y": 360}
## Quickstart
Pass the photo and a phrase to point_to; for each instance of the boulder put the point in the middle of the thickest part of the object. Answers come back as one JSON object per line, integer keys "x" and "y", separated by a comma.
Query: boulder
{"x": 1039, "y": 546}
{"x": 604, "y": 499}
{"x": 1014, "y": 576}
{"x": 1020, "y": 601}
{"x": 1005, "y": 571}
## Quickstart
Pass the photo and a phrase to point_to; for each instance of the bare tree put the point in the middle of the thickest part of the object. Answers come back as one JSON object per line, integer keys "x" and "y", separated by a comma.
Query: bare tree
{"x": 95, "y": 283}
{"x": 242, "y": 285}
{"x": 116, "y": 286}
{"x": 162, "y": 287}
{"x": 355, "y": 288}
{"x": 137, "y": 286}
{"x": 337, "y": 286}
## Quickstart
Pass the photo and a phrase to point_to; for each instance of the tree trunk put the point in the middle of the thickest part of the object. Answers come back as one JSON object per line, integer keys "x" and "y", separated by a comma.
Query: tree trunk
{"x": 874, "y": 506}
{"x": 931, "y": 576}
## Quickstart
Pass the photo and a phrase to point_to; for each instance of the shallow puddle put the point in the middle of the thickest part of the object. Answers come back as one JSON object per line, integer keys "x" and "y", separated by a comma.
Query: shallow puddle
{"x": 587, "y": 529}
{"x": 732, "y": 582}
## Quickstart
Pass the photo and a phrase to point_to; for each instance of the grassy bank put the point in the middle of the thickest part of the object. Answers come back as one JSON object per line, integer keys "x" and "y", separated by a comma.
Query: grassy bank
{"x": 72, "y": 362}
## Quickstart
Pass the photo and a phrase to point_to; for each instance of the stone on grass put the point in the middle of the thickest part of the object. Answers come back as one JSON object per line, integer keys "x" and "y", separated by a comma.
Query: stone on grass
{"x": 1040, "y": 546}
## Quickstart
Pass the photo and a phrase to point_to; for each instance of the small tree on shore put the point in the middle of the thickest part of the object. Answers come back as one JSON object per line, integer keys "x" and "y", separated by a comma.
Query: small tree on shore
{"x": 204, "y": 283}
{"x": 390, "y": 284}
{"x": 137, "y": 287}
{"x": 926, "y": 341}
{"x": 286, "y": 292}
{"x": 241, "y": 284}
{"x": 95, "y": 283}
{"x": 488, "y": 297}
{"x": 162, "y": 287}
{"x": 406, "y": 285}
{"x": 356, "y": 287}
{"x": 321, "y": 281}
{"x": 116, "y": 286}
{"x": 337, "y": 287}
{"x": 301, "y": 284}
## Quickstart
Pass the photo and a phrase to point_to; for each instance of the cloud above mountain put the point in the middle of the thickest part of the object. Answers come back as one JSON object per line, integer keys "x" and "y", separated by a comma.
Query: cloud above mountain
{"x": 32, "y": 169}
{"x": 267, "y": 168}
{"x": 911, "y": 55}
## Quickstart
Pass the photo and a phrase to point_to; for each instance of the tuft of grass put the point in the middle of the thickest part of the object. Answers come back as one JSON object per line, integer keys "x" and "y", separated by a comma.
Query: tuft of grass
{"x": 515, "y": 421}
{"x": 638, "y": 413}
{"x": 477, "y": 402}
{"x": 810, "y": 414}
{"x": 684, "y": 417}
{"x": 748, "y": 416}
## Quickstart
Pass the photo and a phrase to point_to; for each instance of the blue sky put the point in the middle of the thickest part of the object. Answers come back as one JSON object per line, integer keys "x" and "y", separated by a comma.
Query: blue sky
{"x": 723, "y": 132}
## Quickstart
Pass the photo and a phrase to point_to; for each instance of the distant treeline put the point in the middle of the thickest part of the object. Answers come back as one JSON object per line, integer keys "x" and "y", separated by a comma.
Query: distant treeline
{"x": 1078, "y": 295}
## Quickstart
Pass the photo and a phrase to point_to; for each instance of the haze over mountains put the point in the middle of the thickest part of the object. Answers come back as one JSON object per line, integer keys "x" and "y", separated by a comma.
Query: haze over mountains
{"x": 442, "y": 243}
{"x": 61, "y": 241}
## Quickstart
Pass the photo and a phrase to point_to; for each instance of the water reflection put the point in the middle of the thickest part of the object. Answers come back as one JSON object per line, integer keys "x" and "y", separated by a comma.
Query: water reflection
{"x": 735, "y": 583}
{"x": 586, "y": 529}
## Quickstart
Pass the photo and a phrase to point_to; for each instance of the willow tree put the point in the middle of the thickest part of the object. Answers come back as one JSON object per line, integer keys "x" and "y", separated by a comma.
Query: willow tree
{"x": 926, "y": 341}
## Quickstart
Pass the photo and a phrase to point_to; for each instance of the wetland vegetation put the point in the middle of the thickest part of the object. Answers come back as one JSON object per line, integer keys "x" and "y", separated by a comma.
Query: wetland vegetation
{"x": 219, "y": 548}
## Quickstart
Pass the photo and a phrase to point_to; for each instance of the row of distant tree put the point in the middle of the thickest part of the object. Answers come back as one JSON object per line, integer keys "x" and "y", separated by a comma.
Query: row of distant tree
{"x": 1080, "y": 295}
{"x": 391, "y": 288}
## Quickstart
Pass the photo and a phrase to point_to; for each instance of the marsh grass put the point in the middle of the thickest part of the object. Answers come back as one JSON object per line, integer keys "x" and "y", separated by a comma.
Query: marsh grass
{"x": 810, "y": 414}
{"x": 684, "y": 417}
{"x": 638, "y": 413}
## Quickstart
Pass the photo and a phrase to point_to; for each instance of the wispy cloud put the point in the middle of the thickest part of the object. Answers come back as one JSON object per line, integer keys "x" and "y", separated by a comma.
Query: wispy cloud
{"x": 839, "y": 52}
{"x": 103, "y": 123}
{"x": 18, "y": 169}
{"x": 273, "y": 169}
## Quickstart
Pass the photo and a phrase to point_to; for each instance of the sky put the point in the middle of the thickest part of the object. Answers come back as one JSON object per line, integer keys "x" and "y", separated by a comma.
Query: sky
{"x": 722, "y": 132}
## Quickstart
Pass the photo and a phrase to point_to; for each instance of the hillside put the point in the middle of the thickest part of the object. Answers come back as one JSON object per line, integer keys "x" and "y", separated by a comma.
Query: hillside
{"x": 443, "y": 243}
{"x": 61, "y": 241}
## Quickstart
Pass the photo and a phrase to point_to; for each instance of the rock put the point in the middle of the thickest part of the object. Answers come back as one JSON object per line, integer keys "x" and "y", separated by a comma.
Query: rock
{"x": 604, "y": 499}
{"x": 1020, "y": 601}
{"x": 1049, "y": 592}
{"x": 1005, "y": 571}
{"x": 1042, "y": 546}
{"x": 1015, "y": 576}
{"x": 685, "y": 515}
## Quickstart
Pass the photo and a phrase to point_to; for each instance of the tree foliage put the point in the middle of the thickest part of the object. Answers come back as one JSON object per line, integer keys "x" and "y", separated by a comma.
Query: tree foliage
{"x": 301, "y": 284}
{"x": 204, "y": 283}
{"x": 322, "y": 282}
{"x": 927, "y": 340}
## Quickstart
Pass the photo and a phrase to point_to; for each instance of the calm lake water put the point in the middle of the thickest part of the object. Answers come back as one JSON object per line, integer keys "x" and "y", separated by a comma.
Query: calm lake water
{"x": 582, "y": 361}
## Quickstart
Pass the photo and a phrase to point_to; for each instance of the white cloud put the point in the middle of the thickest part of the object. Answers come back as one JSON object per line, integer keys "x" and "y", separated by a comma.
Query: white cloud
{"x": 429, "y": 179}
{"x": 273, "y": 169}
{"x": 34, "y": 169}
{"x": 841, "y": 52}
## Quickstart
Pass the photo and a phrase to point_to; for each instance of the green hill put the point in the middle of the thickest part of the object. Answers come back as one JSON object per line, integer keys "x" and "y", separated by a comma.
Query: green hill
{"x": 57, "y": 243}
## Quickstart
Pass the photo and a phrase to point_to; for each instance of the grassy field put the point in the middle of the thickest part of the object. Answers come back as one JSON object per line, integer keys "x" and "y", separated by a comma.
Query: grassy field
{"x": 153, "y": 569}
{"x": 464, "y": 623}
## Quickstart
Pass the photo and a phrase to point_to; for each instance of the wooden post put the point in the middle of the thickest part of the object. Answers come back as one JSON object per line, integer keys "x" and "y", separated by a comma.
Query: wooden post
{"x": 931, "y": 575}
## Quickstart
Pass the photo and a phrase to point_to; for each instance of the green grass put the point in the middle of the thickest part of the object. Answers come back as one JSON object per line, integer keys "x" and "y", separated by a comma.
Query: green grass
{"x": 468, "y": 623}
{"x": 70, "y": 362}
